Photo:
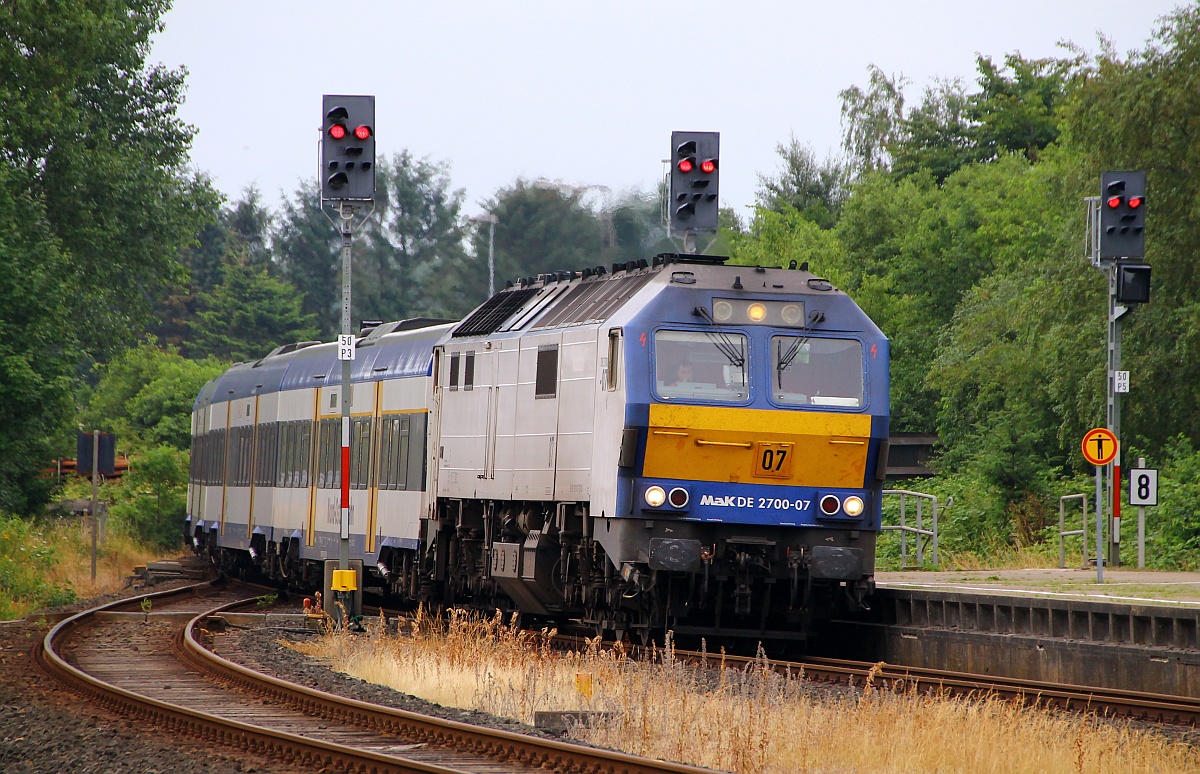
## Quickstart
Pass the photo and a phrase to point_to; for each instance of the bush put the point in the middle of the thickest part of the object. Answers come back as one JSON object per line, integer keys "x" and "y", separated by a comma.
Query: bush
{"x": 1173, "y": 528}
{"x": 151, "y": 500}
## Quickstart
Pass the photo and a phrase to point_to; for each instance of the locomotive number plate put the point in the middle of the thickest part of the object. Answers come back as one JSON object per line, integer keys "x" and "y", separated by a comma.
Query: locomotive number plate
{"x": 773, "y": 460}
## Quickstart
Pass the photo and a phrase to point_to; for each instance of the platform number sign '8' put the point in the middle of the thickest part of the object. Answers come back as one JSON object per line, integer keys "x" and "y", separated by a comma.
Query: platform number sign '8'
{"x": 1143, "y": 486}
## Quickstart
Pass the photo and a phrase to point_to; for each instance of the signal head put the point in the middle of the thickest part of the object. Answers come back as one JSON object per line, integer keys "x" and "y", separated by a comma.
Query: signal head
{"x": 348, "y": 147}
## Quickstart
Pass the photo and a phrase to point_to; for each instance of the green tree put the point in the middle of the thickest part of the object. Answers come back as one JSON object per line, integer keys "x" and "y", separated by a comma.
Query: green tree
{"x": 151, "y": 501}
{"x": 401, "y": 262}
{"x": 247, "y": 315}
{"x": 145, "y": 396}
{"x": 91, "y": 131}
{"x": 540, "y": 230}
{"x": 633, "y": 227}
{"x": 940, "y": 135}
{"x": 872, "y": 120}
{"x": 1140, "y": 113}
{"x": 37, "y": 346}
{"x": 814, "y": 189}
{"x": 1017, "y": 107}
{"x": 306, "y": 246}
{"x": 249, "y": 223}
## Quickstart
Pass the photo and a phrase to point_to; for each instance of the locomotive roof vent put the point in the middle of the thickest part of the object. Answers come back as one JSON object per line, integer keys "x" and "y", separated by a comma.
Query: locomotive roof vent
{"x": 710, "y": 260}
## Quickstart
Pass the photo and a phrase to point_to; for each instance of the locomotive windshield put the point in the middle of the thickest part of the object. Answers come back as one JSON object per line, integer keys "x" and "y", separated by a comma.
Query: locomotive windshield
{"x": 702, "y": 366}
{"x": 817, "y": 372}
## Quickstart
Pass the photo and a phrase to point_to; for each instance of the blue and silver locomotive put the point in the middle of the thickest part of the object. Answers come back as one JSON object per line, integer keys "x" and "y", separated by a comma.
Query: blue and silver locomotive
{"x": 677, "y": 445}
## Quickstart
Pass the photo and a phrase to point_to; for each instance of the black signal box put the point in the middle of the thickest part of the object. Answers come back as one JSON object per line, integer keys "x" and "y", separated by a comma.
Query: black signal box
{"x": 108, "y": 454}
{"x": 1133, "y": 284}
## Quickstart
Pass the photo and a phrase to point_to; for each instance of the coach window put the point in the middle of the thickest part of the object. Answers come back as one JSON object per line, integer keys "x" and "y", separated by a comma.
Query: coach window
{"x": 817, "y": 372}
{"x": 360, "y": 452}
{"x": 306, "y": 438}
{"x": 703, "y": 366}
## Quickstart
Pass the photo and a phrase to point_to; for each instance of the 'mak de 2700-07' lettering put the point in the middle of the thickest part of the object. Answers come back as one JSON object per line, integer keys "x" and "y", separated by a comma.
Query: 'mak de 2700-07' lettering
{"x": 773, "y": 503}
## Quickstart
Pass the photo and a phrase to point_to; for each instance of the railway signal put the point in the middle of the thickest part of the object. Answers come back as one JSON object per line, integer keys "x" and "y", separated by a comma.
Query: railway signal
{"x": 695, "y": 178}
{"x": 1122, "y": 214}
{"x": 1133, "y": 284}
{"x": 348, "y": 148}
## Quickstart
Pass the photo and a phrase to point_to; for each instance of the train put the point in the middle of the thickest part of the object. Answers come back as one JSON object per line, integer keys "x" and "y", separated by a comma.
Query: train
{"x": 674, "y": 444}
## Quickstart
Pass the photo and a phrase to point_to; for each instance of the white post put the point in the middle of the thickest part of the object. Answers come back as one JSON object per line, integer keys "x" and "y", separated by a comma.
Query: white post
{"x": 1141, "y": 526}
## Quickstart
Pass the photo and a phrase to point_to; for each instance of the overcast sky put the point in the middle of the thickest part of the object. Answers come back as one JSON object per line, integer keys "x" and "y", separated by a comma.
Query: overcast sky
{"x": 583, "y": 92}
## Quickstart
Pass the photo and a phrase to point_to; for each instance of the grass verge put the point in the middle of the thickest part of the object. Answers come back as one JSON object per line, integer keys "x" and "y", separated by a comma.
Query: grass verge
{"x": 48, "y": 564}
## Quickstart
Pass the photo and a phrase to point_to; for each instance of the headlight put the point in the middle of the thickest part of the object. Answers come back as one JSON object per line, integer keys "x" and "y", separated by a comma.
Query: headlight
{"x": 853, "y": 506}
{"x": 722, "y": 311}
{"x": 679, "y": 497}
{"x": 791, "y": 314}
{"x": 655, "y": 496}
{"x": 830, "y": 505}
{"x": 756, "y": 312}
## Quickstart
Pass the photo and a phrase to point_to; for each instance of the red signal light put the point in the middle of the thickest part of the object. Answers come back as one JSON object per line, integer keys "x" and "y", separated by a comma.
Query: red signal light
{"x": 337, "y": 131}
{"x": 362, "y": 132}
{"x": 1114, "y": 202}
{"x": 708, "y": 166}
{"x": 686, "y": 165}
{"x": 1135, "y": 202}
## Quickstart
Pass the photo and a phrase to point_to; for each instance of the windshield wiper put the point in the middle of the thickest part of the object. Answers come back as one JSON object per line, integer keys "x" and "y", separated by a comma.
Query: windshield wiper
{"x": 720, "y": 339}
{"x": 784, "y": 359}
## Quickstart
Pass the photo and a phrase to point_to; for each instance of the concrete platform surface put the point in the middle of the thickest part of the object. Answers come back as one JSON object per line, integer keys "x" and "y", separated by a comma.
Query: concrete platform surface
{"x": 1123, "y": 585}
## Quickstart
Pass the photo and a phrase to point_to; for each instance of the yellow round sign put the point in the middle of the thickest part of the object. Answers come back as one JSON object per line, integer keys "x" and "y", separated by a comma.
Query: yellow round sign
{"x": 1099, "y": 446}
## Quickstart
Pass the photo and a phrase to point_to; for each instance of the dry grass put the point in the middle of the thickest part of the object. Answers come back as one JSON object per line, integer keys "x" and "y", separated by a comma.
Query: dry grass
{"x": 115, "y": 558}
{"x": 750, "y": 720}
{"x": 49, "y": 564}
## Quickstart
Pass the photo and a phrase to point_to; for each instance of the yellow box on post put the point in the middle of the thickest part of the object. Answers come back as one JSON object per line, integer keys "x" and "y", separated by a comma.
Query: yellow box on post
{"x": 344, "y": 580}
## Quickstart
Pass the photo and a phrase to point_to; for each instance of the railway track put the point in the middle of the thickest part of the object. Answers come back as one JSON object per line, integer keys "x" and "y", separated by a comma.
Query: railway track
{"x": 1134, "y": 705}
{"x": 159, "y": 670}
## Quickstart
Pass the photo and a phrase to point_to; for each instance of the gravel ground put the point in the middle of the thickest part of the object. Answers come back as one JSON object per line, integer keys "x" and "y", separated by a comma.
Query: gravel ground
{"x": 44, "y": 729}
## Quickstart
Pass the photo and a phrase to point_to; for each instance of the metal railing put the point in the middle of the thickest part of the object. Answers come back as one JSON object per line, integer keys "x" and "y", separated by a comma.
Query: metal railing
{"x": 1063, "y": 532}
{"x": 923, "y": 536}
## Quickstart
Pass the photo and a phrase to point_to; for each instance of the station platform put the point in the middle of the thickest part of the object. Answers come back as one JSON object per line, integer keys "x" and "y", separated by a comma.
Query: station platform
{"x": 1138, "y": 630}
{"x": 1121, "y": 585}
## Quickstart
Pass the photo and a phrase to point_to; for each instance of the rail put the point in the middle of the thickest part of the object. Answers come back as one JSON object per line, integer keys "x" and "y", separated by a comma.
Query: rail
{"x": 923, "y": 536}
{"x": 1063, "y": 532}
